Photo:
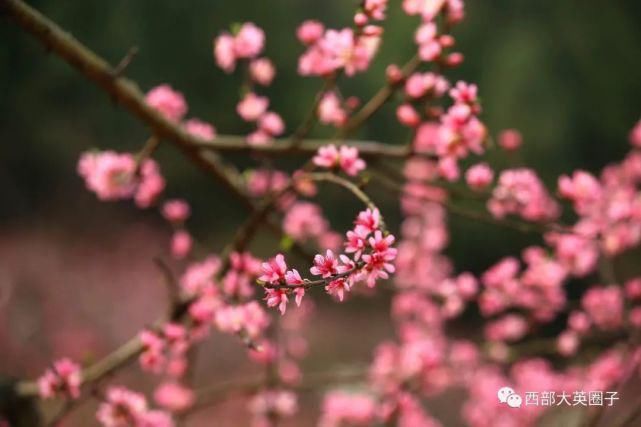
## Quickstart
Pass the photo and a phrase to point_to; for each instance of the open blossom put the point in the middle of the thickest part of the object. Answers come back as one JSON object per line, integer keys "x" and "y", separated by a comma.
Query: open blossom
{"x": 428, "y": 9}
{"x": 479, "y": 176}
{"x": 305, "y": 220}
{"x": 379, "y": 263}
{"x": 150, "y": 184}
{"x": 168, "y": 102}
{"x": 293, "y": 278}
{"x": 124, "y": 408}
{"x": 200, "y": 129}
{"x": 429, "y": 47}
{"x": 375, "y": 8}
{"x": 283, "y": 403}
{"x": 277, "y": 298}
{"x": 328, "y": 156}
{"x": 271, "y": 123}
{"x": 62, "y": 380}
{"x": 174, "y": 396}
{"x": 108, "y": 174}
{"x": 176, "y": 210}
{"x": 262, "y": 71}
{"x": 252, "y": 107}
{"x": 340, "y": 409}
{"x": 338, "y": 287}
{"x": 407, "y": 115}
{"x": 582, "y": 188}
{"x": 349, "y": 160}
{"x": 604, "y": 306}
{"x": 330, "y": 110}
{"x": 274, "y": 270}
{"x": 519, "y": 191}
{"x": 339, "y": 49}
{"x": 325, "y": 266}
{"x": 369, "y": 220}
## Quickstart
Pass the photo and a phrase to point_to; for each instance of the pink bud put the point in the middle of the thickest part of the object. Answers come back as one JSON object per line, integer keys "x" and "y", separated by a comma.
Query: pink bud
{"x": 407, "y": 115}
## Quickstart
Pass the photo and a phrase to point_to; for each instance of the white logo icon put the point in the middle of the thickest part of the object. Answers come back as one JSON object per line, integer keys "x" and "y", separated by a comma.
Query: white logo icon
{"x": 514, "y": 401}
{"x": 508, "y": 396}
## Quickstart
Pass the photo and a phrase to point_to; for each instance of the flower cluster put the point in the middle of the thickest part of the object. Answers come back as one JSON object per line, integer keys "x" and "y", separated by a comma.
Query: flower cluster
{"x": 118, "y": 176}
{"x": 165, "y": 351}
{"x": 343, "y": 157}
{"x": 122, "y": 407}
{"x": 371, "y": 259}
{"x": 245, "y": 46}
{"x": 330, "y": 50}
{"x": 173, "y": 106}
{"x": 521, "y": 192}
{"x": 63, "y": 379}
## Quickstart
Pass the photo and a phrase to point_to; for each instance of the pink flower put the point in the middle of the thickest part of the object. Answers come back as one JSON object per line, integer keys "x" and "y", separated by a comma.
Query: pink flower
{"x": 407, "y": 115}
{"x": 224, "y": 52}
{"x": 510, "y": 139}
{"x": 429, "y": 47}
{"x": 327, "y": 156}
{"x": 520, "y": 191}
{"x": 428, "y": 9}
{"x": 62, "y": 380}
{"x": 356, "y": 241}
{"x": 604, "y": 306}
{"x": 200, "y": 129}
{"x": 199, "y": 276}
{"x": 252, "y": 107}
{"x": 108, "y": 174}
{"x": 349, "y": 160}
{"x": 274, "y": 270}
{"x": 259, "y": 137}
{"x": 375, "y": 8}
{"x": 305, "y": 220}
{"x": 582, "y": 188}
{"x": 151, "y": 184}
{"x": 271, "y": 123}
{"x": 122, "y": 407}
{"x": 369, "y": 220}
{"x": 330, "y": 110}
{"x": 168, "y": 102}
{"x": 479, "y": 176}
{"x": 338, "y": 287}
{"x": 567, "y": 343}
{"x": 309, "y": 32}
{"x": 325, "y": 266}
{"x": 174, "y": 396}
{"x": 464, "y": 93}
{"x": 277, "y": 297}
{"x": 181, "y": 244}
{"x": 340, "y": 408}
{"x": 249, "y": 41}
{"x": 511, "y": 327}
{"x": 293, "y": 278}
{"x": 176, "y": 210}
{"x": 262, "y": 71}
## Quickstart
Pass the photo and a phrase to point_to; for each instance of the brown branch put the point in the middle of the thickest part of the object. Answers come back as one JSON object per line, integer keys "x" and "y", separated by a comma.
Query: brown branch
{"x": 282, "y": 146}
{"x": 377, "y": 101}
{"x": 211, "y": 395}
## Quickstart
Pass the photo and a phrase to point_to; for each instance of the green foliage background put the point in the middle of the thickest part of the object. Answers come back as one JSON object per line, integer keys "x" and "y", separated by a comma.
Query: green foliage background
{"x": 566, "y": 73}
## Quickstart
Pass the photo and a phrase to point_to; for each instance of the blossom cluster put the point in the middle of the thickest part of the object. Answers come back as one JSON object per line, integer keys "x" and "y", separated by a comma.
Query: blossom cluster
{"x": 371, "y": 256}
{"x": 245, "y": 46}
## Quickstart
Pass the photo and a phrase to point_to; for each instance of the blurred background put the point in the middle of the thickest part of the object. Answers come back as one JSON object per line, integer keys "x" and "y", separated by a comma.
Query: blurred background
{"x": 76, "y": 275}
